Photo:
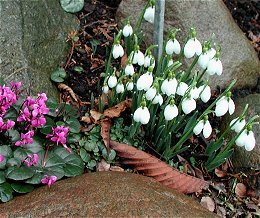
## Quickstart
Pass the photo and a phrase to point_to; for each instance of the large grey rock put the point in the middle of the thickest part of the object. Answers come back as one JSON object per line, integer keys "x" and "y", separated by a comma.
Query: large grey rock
{"x": 105, "y": 194}
{"x": 33, "y": 41}
{"x": 207, "y": 16}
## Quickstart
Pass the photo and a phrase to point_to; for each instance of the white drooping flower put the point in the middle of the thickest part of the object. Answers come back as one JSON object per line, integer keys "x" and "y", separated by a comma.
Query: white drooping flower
{"x": 172, "y": 47}
{"x": 142, "y": 115}
{"x": 188, "y": 105}
{"x": 182, "y": 88}
{"x": 239, "y": 124}
{"x": 194, "y": 92}
{"x": 138, "y": 58}
{"x": 129, "y": 86}
{"x": 112, "y": 81}
{"x": 145, "y": 81}
{"x": 211, "y": 53}
{"x": 150, "y": 94}
{"x": 158, "y": 99}
{"x": 169, "y": 87}
{"x": 127, "y": 30}
{"x": 170, "y": 112}
{"x": 105, "y": 89}
{"x": 120, "y": 88}
{"x": 205, "y": 93}
{"x": 192, "y": 47}
{"x": 149, "y": 14}
{"x": 214, "y": 67}
{"x": 224, "y": 105}
{"x": 149, "y": 61}
{"x": 204, "y": 127}
{"x": 118, "y": 51}
{"x": 204, "y": 60}
{"x": 129, "y": 70}
{"x": 247, "y": 139}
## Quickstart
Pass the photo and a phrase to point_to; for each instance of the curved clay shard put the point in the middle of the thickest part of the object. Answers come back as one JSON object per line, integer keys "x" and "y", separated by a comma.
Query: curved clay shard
{"x": 159, "y": 170}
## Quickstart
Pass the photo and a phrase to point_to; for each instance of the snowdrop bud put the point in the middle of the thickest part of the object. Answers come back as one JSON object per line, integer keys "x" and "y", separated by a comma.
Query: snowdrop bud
{"x": 207, "y": 129}
{"x": 129, "y": 86}
{"x": 250, "y": 141}
{"x": 189, "y": 48}
{"x": 127, "y": 30}
{"x": 112, "y": 81}
{"x": 105, "y": 89}
{"x": 182, "y": 88}
{"x": 149, "y": 61}
{"x": 129, "y": 70}
{"x": 172, "y": 47}
{"x": 194, "y": 93}
{"x": 158, "y": 99}
{"x": 120, "y": 88}
{"x": 240, "y": 141}
{"x": 118, "y": 51}
{"x": 239, "y": 125}
{"x": 150, "y": 94}
{"x": 199, "y": 127}
{"x": 219, "y": 67}
{"x": 170, "y": 112}
{"x": 203, "y": 61}
{"x": 221, "y": 106}
{"x": 137, "y": 114}
{"x": 205, "y": 93}
{"x": 188, "y": 105}
{"x": 138, "y": 58}
{"x": 211, "y": 53}
{"x": 149, "y": 14}
{"x": 231, "y": 106}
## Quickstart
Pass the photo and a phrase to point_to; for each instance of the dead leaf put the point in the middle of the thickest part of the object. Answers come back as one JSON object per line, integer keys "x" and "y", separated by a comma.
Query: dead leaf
{"x": 116, "y": 168}
{"x": 102, "y": 166}
{"x": 220, "y": 173}
{"x": 86, "y": 119}
{"x": 95, "y": 115}
{"x": 208, "y": 203}
{"x": 62, "y": 86}
{"x": 88, "y": 128}
{"x": 116, "y": 110}
{"x": 240, "y": 190}
{"x": 124, "y": 60}
{"x": 159, "y": 170}
{"x": 198, "y": 173}
{"x": 221, "y": 212}
{"x": 105, "y": 131}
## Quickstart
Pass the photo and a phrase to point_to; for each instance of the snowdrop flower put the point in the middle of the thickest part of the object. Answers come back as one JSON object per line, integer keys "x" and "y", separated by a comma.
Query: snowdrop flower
{"x": 158, "y": 99}
{"x": 169, "y": 86}
{"x": 215, "y": 66}
{"x": 211, "y": 53}
{"x": 194, "y": 92}
{"x": 129, "y": 70}
{"x": 172, "y": 46}
{"x": 129, "y": 86}
{"x": 170, "y": 111}
{"x": 138, "y": 58}
{"x": 188, "y": 105}
{"x": 118, "y": 51}
{"x": 224, "y": 104}
{"x": 145, "y": 81}
{"x": 239, "y": 124}
{"x": 182, "y": 88}
{"x": 247, "y": 139}
{"x": 204, "y": 60}
{"x": 149, "y": 14}
{"x": 127, "y": 30}
{"x": 142, "y": 114}
{"x": 192, "y": 46}
{"x": 112, "y": 81}
{"x": 105, "y": 89}
{"x": 120, "y": 88}
{"x": 204, "y": 127}
{"x": 205, "y": 93}
{"x": 150, "y": 94}
{"x": 149, "y": 61}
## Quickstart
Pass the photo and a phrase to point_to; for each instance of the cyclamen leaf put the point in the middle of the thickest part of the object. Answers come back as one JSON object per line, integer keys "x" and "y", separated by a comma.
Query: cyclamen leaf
{"x": 74, "y": 125}
{"x": 72, "y": 6}
{"x": 22, "y": 188}
{"x": 6, "y": 192}
{"x": 2, "y": 177}
{"x": 19, "y": 173}
{"x": 58, "y": 75}
{"x": 159, "y": 170}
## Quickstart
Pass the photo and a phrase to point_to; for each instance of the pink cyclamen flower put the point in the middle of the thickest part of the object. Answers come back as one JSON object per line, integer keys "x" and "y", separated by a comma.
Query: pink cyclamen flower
{"x": 49, "y": 180}
{"x": 25, "y": 138}
{"x": 2, "y": 158}
{"x": 59, "y": 134}
{"x": 31, "y": 160}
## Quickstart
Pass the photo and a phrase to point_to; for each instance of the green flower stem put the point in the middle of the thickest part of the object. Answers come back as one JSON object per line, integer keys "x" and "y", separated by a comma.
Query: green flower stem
{"x": 187, "y": 74}
{"x": 201, "y": 75}
{"x": 140, "y": 19}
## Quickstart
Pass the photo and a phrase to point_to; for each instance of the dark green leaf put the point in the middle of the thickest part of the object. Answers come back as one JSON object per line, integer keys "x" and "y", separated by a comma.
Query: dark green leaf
{"x": 21, "y": 154}
{"x": 191, "y": 122}
{"x": 13, "y": 134}
{"x": 73, "y": 124}
{"x": 91, "y": 164}
{"x": 73, "y": 137}
{"x": 36, "y": 146}
{"x": 214, "y": 146}
{"x": 47, "y": 128}
{"x": 6, "y": 151}
{"x": 22, "y": 188}
{"x": 19, "y": 173}
{"x": 112, "y": 155}
{"x": 89, "y": 145}
{"x": 78, "y": 69}
{"x": 2, "y": 177}
{"x": 36, "y": 179}
{"x": 13, "y": 162}
{"x": 53, "y": 105}
{"x": 54, "y": 165}
{"x": 6, "y": 192}
{"x": 58, "y": 75}
{"x": 84, "y": 155}
{"x": 11, "y": 114}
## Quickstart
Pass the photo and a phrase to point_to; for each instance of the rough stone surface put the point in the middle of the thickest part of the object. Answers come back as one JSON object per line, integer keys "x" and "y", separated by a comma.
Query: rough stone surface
{"x": 104, "y": 194}
{"x": 33, "y": 41}
{"x": 238, "y": 56}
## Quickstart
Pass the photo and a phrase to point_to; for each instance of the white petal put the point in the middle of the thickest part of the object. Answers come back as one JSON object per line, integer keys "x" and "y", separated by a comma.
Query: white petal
{"x": 188, "y": 105}
{"x": 170, "y": 112}
{"x": 105, "y": 89}
{"x": 221, "y": 107}
{"x": 232, "y": 122}
{"x": 240, "y": 125}
{"x": 211, "y": 53}
{"x": 194, "y": 93}
{"x": 164, "y": 86}
{"x": 112, "y": 81}
{"x": 169, "y": 47}
{"x": 231, "y": 106}
{"x": 205, "y": 94}
{"x": 176, "y": 46}
{"x": 207, "y": 130}
{"x": 203, "y": 61}
{"x": 145, "y": 117}
{"x": 141, "y": 82}
{"x": 120, "y": 88}
{"x": 129, "y": 86}
{"x": 198, "y": 128}
{"x": 140, "y": 58}
{"x": 250, "y": 141}
{"x": 127, "y": 30}
{"x": 129, "y": 70}
{"x": 149, "y": 80}
{"x": 219, "y": 68}
{"x": 182, "y": 88}
{"x": 158, "y": 99}
{"x": 138, "y": 114}
{"x": 240, "y": 141}
{"x": 211, "y": 70}
{"x": 149, "y": 14}
{"x": 150, "y": 94}
{"x": 171, "y": 87}
{"x": 118, "y": 51}
{"x": 198, "y": 47}
{"x": 148, "y": 60}
{"x": 190, "y": 48}
{"x": 170, "y": 63}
